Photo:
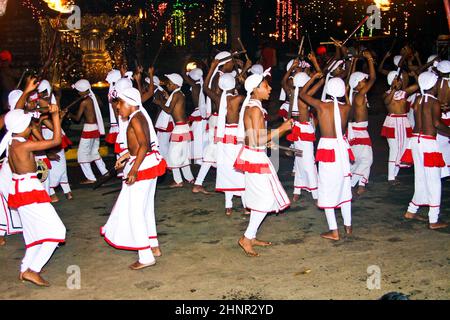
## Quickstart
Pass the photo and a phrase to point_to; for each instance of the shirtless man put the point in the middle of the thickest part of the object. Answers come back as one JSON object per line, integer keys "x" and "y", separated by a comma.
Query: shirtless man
{"x": 396, "y": 128}
{"x": 42, "y": 228}
{"x": 228, "y": 180}
{"x": 332, "y": 154}
{"x": 443, "y": 67}
{"x": 88, "y": 150}
{"x": 428, "y": 160}
{"x": 132, "y": 223}
{"x": 358, "y": 135}
{"x": 263, "y": 190}
{"x": 178, "y": 154}
{"x": 212, "y": 80}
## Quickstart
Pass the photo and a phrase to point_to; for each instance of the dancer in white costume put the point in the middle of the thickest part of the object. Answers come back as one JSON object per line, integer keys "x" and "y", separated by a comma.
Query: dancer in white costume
{"x": 357, "y": 133}
{"x": 223, "y": 63}
{"x": 42, "y": 228}
{"x": 263, "y": 190}
{"x": 333, "y": 155}
{"x": 88, "y": 149}
{"x": 424, "y": 152}
{"x": 131, "y": 225}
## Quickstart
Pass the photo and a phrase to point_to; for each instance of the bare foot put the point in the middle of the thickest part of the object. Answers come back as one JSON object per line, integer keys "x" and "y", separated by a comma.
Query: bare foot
{"x": 247, "y": 246}
{"x": 394, "y": 183}
{"x": 348, "y": 230}
{"x": 85, "y": 182}
{"x": 247, "y": 212}
{"x": 331, "y": 235}
{"x": 296, "y": 198}
{"x": 2, "y": 241}
{"x": 176, "y": 185}
{"x": 361, "y": 190}
{"x": 69, "y": 196}
{"x": 192, "y": 182}
{"x": 293, "y": 174}
{"x": 412, "y": 216}
{"x": 139, "y": 266}
{"x": 438, "y": 225}
{"x": 54, "y": 198}
{"x": 157, "y": 252}
{"x": 199, "y": 189}
{"x": 259, "y": 243}
{"x": 228, "y": 212}
{"x": 35, "y": 278}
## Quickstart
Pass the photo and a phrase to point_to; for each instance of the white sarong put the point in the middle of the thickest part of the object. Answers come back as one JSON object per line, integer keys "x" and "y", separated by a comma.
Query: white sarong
{"x": 179, "y": 147}
{"x": 88, "y": 149}
{"x": 361, "y": 145}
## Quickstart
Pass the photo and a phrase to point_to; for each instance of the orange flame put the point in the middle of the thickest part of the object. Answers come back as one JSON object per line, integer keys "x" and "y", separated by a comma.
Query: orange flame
{"x": 63, "y": 6}
{"x": 383, "y": 5}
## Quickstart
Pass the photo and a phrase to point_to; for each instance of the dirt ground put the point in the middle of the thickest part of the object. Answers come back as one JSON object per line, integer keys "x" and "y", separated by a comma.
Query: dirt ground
{"x": 201, "y": 258}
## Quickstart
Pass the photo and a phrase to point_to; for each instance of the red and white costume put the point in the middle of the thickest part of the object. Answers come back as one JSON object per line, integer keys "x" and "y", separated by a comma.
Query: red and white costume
{"x": 361, "y": 144}
{"x": 132, "y": 225}
{"x": 228, "y": 180}
{"x": 88, "y": 149}
{"x": 58, "y": 172}
{"x": 397, "y": 130}
{"x": 112, "y": 77}
{"x": 444, "y": 143}
{"x": 164, "y": 126}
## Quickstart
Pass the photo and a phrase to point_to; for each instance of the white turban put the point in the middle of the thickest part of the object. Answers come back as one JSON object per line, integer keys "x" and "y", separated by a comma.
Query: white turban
{"x": 122, "y": 84}
{"x": 43, "y": 86}
{"x": 251, "y": 83}
{"x": 427, "y": 80}
{"x": 82, "y": 86}
{"x": 175, "y": 78}
{"x": 13, "y": 98}
{"x": 113, "y": 76}
{"x": 132, "y": 97}
{"x": 397, "y": 60}
{"x": 355, "y": 79}
{"x": 129, "y": 75}
{"x": 431, "y": 58}
{"x": 156, "y": 82}
{"x": 257, "y": 69}
{"x": 222, "y": 55}
{"x": 16, "y": 121}
{"x": 336, "y": 64}
{"x": 443, "y": 66}
{"x": 289, "y": 65}
{"x": 336, "y": 88}
{"x": 196, "y": 74}
{"x": 300, "y": 79}
{"x": 391, "y": 76}
{"x": 226, "y": 82}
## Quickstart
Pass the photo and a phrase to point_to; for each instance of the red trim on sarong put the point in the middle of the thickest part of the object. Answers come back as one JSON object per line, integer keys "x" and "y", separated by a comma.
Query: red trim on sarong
{"x": 392, "y": 115}
{"x": 195, "y": 119}
{"x": 325, "y": 155}
{"x": 409, "y": 132}
{"x": 425, "y": 205}
{"x": 283, "y": 113}
{"x": 47, "y": 162}
{"x": 246, "y": 166}
{"x": 361, "y": 142}
{"x": 43, "y": 241}
{"x": 336, "y": 207}
{"x": 111, "y": 138}
{"x": 359, "y": 128}
{"x": 90, "y": 134}
{"x": 433, "y": 160}
{"x": 21, "y": 199}
{"x": 169, "y": 128}
{"x": 117, "y": 148}
{"x": 66, "y": 142}
{"x": 176, "y": 137}
{"x": 227, "y": 139}
{"x": 153, "y": 172}
{"x": 421, "y": 136}
{"x": 407, "y": 157}
{"x": 388, "y": 132}
{"x": 306, "y": 188}
{"x": 446, "y": 122}
{"x": 230, "y": 190}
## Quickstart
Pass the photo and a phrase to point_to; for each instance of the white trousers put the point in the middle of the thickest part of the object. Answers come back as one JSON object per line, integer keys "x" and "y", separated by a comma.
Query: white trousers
{"x": 204, "y": 169}
{"x": 346, "y": 211}
{"x": 187, "y": 173}
{"x": 37, "y": 256}
{"x": 87, "y": 169}
{"x": 256, "y": 218}
{"x": 229, "y": 198}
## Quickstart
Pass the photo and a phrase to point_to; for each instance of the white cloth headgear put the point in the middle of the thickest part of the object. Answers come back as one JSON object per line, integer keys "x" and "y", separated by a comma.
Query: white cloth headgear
{"x": 196, "y": 74}
{"x": 16, "y": 121}
{"x": 391, "y": 76}
{"x": 427, "y": 80}
{"x": 443, "y": 66}
{"x": 13, "y": 98}
{"x": 113, "y": 76}
{"x": 257, "y": 69}
{"x": 355, "y": 79}
{"x": 221, "y": 55}
{"x": 43, "y": 86}
{"x": 122, "y": 84}
{"x": 300, "y": 79}
{"x": 175, "y": 78}
{"x": 336, "y": 88}
{"x": 397, "y": 60}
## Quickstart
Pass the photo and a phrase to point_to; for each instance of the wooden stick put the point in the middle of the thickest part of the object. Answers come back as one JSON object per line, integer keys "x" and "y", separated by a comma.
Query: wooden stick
{"x": 157, "y": 55}
{"x": 301, "y": 47}
{"x": 356, "y": 29}
{"x": 309, "y": 40}
{"x": 243, "y": 48}
{"x": 297, "y": 152}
